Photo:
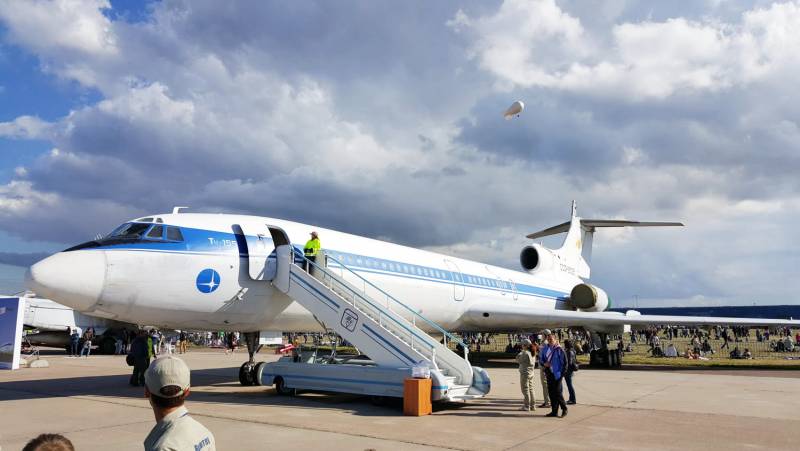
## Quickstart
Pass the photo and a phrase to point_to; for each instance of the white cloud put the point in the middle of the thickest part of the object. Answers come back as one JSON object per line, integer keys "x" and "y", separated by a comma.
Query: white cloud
{"x": 52, "y": 26}
{"x": 149, "y": 103}
{"x": 647, "y": 60}
{"x": 26, "y": 127}
{"x": 522, "y": 42}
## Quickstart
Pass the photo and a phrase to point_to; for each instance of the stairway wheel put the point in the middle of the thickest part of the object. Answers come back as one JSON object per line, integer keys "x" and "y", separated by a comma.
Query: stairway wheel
{"x": 258, "y": 373}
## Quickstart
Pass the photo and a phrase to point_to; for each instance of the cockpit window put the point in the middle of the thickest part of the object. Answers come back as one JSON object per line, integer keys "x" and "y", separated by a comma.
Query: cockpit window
{"x": 174, "y": 234}
{"x": 156, "y": 233}
{"x": 130, "y": 230}
{"x": 144, "y": 220}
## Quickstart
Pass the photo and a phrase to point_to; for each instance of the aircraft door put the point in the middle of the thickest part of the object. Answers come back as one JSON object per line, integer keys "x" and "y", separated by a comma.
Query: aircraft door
{"x": 513, "y": 287}
{"x": 256, "y": 246}
{"x": 459, "y": 290}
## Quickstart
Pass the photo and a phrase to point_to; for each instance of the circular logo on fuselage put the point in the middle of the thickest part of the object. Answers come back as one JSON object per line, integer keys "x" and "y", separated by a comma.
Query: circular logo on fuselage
{"x": 207, "y": 281}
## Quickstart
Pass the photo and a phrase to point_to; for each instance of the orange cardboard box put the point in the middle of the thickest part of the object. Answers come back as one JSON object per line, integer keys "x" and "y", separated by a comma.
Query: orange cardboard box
{"x": 417, "y": 397}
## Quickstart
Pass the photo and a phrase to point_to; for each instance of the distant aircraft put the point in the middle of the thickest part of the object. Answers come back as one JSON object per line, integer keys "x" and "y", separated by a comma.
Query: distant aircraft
{"x": 51, "y": 322}
{"x": 230, "y": 272}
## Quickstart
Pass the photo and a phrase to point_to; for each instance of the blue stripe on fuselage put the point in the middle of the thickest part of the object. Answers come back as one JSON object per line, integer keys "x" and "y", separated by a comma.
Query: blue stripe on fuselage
{"x": 201, "y": 241}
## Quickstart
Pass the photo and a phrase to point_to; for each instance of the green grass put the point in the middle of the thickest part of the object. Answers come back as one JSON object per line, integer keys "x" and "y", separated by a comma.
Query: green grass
{"x": 764, "y": 357}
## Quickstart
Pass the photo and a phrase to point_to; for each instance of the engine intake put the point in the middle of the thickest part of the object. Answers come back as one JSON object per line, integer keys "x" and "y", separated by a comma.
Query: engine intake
{"x": 588, "y": 298}
{"x": 536, "y": 258}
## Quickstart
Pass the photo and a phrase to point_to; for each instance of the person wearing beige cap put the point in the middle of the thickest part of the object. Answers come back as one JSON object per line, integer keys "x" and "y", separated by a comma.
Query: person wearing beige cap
{"x": 526, "y": 361}
{"x": 167, "y": 386}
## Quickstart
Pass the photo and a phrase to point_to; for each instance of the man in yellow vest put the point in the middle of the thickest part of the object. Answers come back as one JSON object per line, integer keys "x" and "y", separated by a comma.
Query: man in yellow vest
{"x": 311, "y": 249}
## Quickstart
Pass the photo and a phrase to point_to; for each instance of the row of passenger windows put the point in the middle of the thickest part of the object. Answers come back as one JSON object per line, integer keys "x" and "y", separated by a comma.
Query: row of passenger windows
{"x": 403, "y": 268}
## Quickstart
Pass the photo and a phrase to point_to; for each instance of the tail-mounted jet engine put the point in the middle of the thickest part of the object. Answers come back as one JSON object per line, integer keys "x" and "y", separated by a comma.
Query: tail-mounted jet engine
{"x": 588, "y": 298}
{"x": 536, "y": 258}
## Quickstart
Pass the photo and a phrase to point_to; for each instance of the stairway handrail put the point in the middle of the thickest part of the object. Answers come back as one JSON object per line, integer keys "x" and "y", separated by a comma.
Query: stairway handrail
{"x": 409, "y": 309}
{"x": 365, "y": 299}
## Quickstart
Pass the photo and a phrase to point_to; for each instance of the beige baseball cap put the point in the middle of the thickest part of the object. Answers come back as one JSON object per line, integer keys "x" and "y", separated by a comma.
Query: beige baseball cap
{"x": 164, "y": 372}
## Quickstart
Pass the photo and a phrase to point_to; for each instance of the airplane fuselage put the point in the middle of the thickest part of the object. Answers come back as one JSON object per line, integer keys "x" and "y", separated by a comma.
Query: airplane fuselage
{"x": 202, "y": 280}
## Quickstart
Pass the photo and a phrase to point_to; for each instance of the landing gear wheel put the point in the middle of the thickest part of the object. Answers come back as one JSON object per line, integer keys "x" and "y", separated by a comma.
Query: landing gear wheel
{"x": 282, "y": 389}
{"x": 258, "y": 373}
{"x": 246, "y": 374}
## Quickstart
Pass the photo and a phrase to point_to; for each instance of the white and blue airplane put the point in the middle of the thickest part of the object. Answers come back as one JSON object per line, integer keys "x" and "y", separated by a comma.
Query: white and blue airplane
{"x": 213, "y": 272}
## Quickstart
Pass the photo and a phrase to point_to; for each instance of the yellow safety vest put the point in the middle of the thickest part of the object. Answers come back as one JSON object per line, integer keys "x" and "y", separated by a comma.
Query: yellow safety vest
{"x": 312, "y": 247}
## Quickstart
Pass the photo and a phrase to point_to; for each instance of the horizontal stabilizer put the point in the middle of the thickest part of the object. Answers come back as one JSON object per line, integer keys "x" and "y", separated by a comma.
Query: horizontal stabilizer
{"x": 591, "y": 224}
{"x": 586, "y": 223}
{"x": 561, "y": 228}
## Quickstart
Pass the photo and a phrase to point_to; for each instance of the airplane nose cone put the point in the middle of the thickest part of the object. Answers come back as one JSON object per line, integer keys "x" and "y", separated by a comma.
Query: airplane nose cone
{"x": 75, "y": 278}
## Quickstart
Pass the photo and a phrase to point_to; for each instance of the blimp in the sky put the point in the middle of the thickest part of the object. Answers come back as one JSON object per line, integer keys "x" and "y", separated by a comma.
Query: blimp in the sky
{"x": 514, "y": 110}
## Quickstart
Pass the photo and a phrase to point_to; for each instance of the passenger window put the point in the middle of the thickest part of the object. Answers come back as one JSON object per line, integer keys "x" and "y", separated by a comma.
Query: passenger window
{"x": 156, "y": 233}
{"x": 174, "y": 234}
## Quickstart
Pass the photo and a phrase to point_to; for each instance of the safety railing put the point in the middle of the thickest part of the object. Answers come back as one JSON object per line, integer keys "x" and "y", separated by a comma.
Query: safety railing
{"x": 386, "y": 315}
{"x": 391, "y": 300}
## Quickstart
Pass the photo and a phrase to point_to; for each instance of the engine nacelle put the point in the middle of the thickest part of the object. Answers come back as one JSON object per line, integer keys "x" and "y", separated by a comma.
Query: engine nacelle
{"x": 535, "y": 258}
{"x": 588, "y": 298}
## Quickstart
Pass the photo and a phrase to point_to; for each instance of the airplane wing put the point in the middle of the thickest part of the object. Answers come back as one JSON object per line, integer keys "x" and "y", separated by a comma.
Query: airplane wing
{"x": 513, "y": 316}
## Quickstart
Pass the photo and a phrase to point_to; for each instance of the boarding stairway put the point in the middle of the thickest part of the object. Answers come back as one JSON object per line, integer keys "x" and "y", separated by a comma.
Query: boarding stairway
{"x": 377, "y": 324}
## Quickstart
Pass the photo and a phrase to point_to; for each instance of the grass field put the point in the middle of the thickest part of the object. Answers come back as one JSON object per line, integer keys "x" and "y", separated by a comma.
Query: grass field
{"x": 764, "y": 357}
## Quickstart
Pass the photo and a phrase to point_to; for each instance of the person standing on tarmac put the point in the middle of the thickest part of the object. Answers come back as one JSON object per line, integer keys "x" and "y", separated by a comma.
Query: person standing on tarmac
{"x": 526, "y": 362}
{"x": 544, "y": 354}
{"x": 311, "y": 249}
{"x": 555, "y": 365}
{"x": 166, "y": 387}
{"x": 74, "y": 341}
{"x": 140, "y": 352}
{"x": 572, "y": 367}
{"x": 182, "y": 342}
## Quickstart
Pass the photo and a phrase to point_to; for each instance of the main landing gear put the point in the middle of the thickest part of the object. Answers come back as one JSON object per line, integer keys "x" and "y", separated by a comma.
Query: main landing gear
{"x": 601, "y": 356}
{"x": 250, "y": 371}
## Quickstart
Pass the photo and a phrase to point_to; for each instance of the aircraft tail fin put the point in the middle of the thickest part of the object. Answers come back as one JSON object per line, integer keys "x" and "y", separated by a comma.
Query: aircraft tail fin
{"x": 576, "y": 251}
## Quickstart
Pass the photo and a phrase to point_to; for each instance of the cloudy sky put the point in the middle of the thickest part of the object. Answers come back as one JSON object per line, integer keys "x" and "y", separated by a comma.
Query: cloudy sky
{"x": 388, "y": 116}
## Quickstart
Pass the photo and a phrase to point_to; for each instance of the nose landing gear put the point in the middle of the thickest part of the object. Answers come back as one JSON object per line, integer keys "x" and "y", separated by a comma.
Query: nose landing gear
{"x": 250, "y": 371}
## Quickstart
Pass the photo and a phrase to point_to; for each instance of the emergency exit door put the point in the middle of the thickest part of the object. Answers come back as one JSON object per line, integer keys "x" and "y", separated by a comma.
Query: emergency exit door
{"x": 459, "y": 290}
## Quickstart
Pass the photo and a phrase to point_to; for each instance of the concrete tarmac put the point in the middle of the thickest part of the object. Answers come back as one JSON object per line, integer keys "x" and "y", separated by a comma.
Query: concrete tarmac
{"x": 89, "y": 400}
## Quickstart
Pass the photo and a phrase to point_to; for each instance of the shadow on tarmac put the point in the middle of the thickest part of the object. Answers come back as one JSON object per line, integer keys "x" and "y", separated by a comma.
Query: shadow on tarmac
{"x": 216, "y": 385}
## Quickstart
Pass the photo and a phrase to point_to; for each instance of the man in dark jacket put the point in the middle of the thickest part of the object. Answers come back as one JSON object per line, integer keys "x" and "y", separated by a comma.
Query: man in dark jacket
{"x": 74, "y": 341}
{"x": 555, "y": 366}
{"x": 141, "y": 358}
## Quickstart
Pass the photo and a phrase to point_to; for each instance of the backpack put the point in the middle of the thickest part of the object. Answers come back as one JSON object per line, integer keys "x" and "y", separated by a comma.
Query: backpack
{"x": 573, "y": 361}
